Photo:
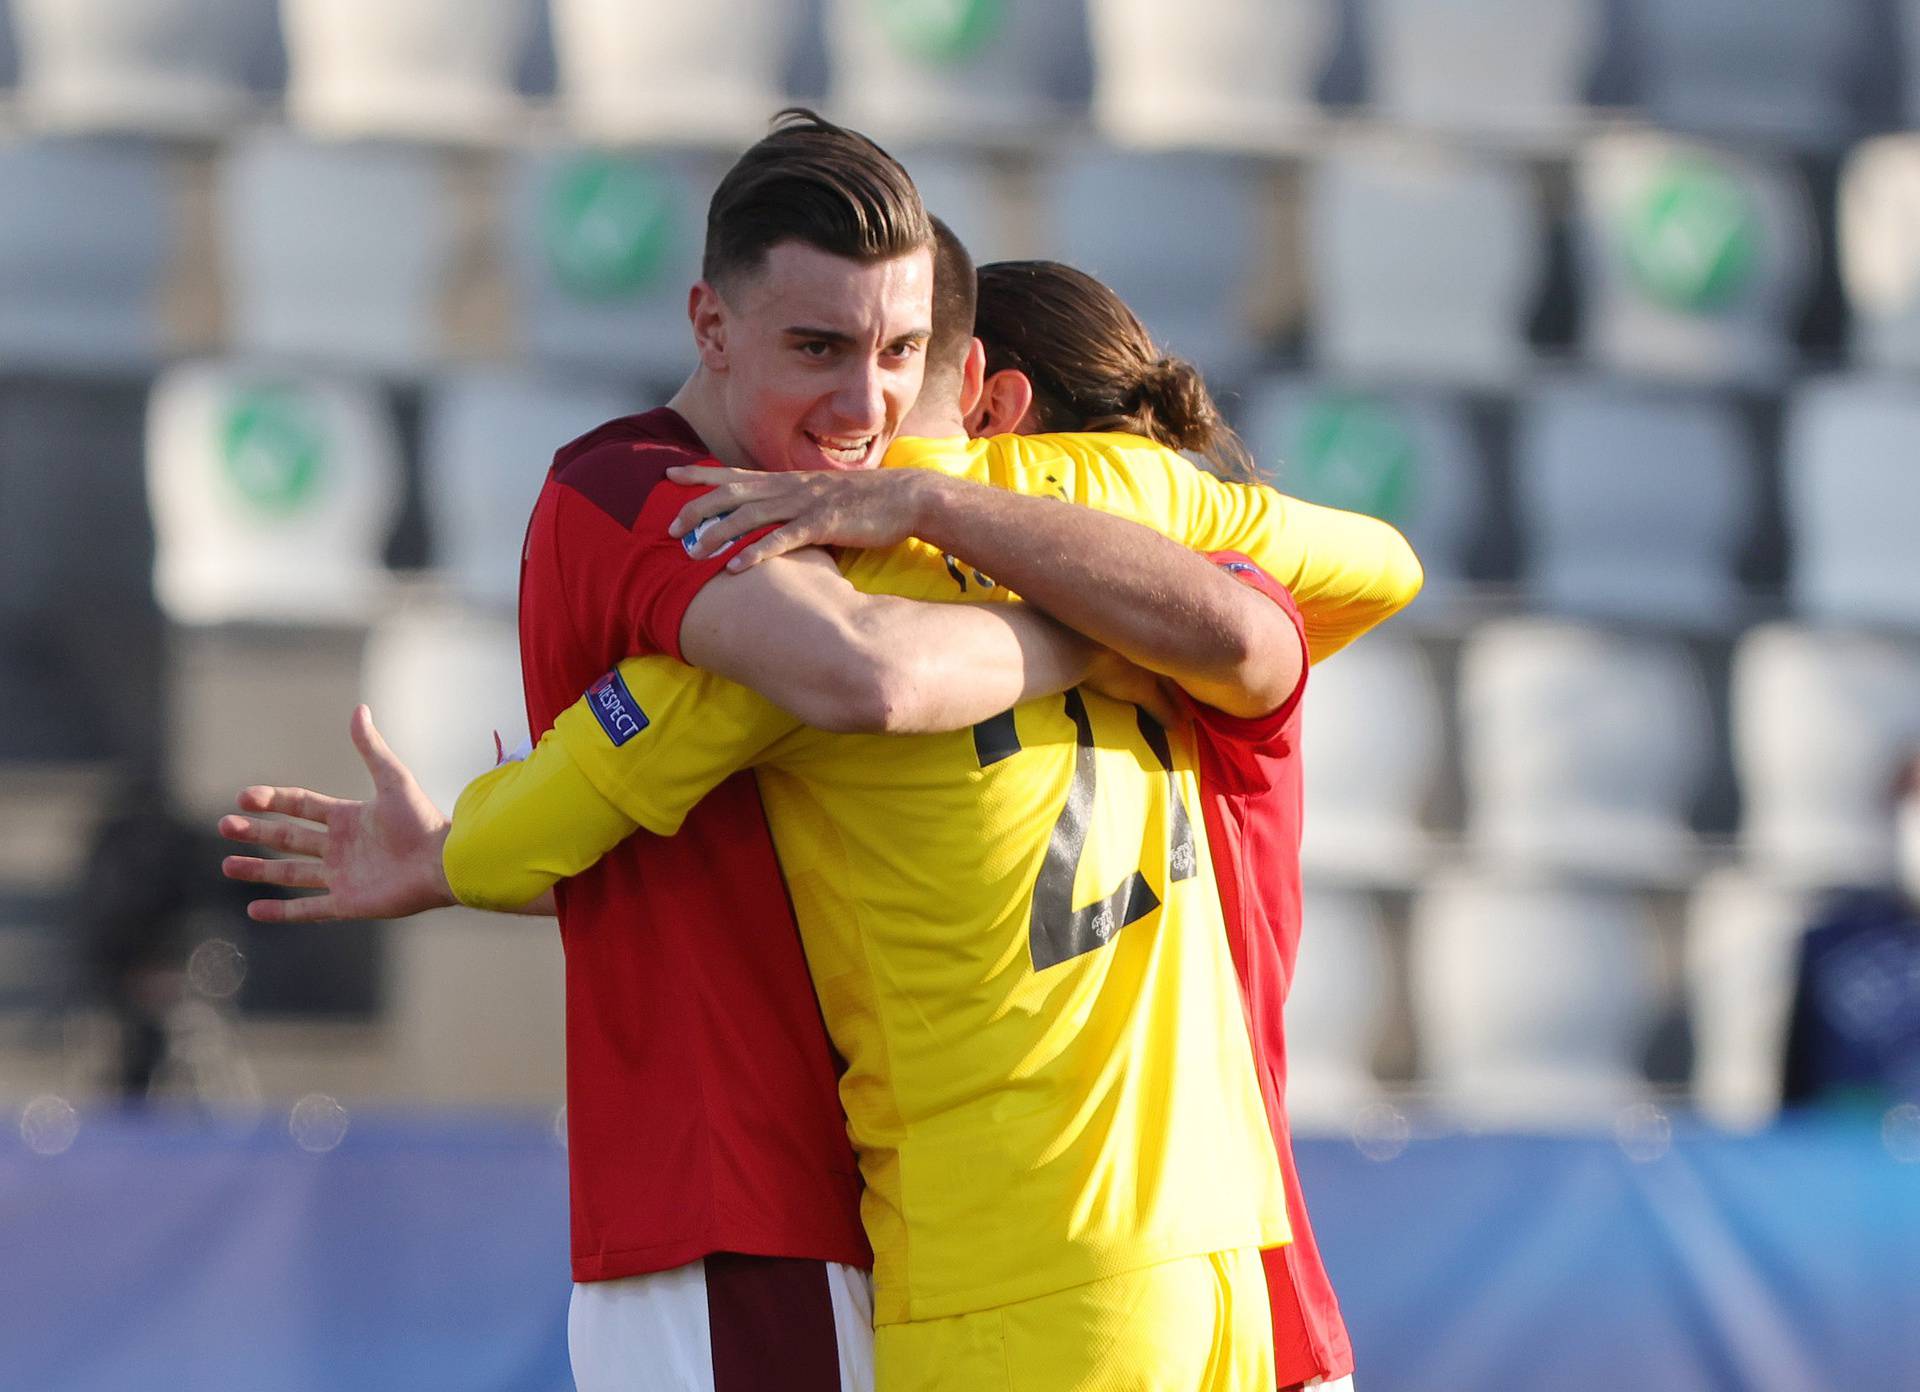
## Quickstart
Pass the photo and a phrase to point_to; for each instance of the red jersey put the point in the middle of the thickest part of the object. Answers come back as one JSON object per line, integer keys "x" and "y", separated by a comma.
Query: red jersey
{"x": 1251, "y": 795}
{"x": 702, "y": 1112}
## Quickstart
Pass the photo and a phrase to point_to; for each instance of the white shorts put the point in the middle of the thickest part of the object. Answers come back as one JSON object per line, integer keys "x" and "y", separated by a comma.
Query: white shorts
{"x": 725, "y": 1324}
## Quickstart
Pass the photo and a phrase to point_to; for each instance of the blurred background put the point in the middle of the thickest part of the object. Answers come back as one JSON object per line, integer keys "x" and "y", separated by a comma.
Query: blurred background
{"x": 1608, "y": 1017}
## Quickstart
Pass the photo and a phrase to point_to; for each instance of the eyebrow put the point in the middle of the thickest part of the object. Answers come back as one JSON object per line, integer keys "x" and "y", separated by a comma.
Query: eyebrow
{"x": 836, "y": 337}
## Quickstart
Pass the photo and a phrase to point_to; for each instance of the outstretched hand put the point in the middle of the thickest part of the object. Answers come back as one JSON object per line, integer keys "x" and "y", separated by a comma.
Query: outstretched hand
{"x": 374, "y": 859}
{"x": 829, "y": 507}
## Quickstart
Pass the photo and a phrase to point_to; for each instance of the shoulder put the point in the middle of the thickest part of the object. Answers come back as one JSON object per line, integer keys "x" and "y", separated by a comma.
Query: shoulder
{"x": 618, "y": 466}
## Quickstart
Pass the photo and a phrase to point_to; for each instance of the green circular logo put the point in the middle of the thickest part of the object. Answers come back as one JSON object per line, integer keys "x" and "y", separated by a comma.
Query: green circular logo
{"x": 1692, "y": 240}
{"x": 939, "y": 31}
{"x": 273, "y": 448}
{"x": 609, "y": 227}
{"x": 1355, "y": 453}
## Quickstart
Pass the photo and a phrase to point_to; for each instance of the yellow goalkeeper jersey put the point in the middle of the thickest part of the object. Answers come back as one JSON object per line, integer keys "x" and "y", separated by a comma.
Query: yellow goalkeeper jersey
{"x": 1013, "y": 930}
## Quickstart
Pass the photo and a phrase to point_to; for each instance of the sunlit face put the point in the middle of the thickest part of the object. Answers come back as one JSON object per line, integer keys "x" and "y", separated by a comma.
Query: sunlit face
{"x": 819, "y": 358}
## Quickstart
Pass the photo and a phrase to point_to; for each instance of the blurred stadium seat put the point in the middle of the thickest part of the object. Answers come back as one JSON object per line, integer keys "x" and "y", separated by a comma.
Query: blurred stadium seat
{"x": 1583, "y": 750}
{"x": 1634, "y": 504}
{"x": 1180, "y": 237}
{"x": 85, "y": 246}
{"x": 601, "y": 251}
{"x": 273, "y": 492}
{"x": 1822, "y": 722}
{"x": 1425, "y": 263}
{"x": 1851, "y": 465}
{"x": 969, "y": 193}
{"x": 1373, "y": 749}
{"x": 169, "y": 66}
{"x": 1879, "y": 231}
{"x": 336, "y": 252}
{"x": 1779, "y": 70}
{"x": 424, "y": 69}
{"x": 706, "y": 72}
{"x": 955, "y": 70}
{"x": 1742, "y": 944}
{"x": 1533, "y": 1003}
{"x": 1208, "y": 74}
{"x": 1694, "y": 260}
{"x": 1337, "y": 1007}
{"x": 1407, "y": 456}
{"x": 489, "y": 437}
{"x": 1511, "y": 69}
{"x": 419, "y": 655}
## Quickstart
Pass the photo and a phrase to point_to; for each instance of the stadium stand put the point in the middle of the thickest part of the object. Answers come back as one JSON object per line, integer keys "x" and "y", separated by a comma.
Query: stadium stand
{"x": 600, "y": 251}
{"x": 426, "y": 70}
{"x": 1821, "y": 720}
{"x": 1408, "y": 456}
{"x": 336, "y": 252}
{"x": 1742, "y": 938}
{"x": 1634, "y": 504}
{"x": 1533, "y": 1002}
{"x": 1583, "y": 750}
{"x": 1373, "y": 746}
{"x": 85, "y": 249}
{"x": 1425, "y": 262}
{"x": 1337, "y": 1008}
{"x": 1879, "y": 231}
{"x": 181, "y": 67}
{"x": 1851, "y": 464}
{"x": 487, "y": 439}
{"x": 970, "y": 193}
{"x": 1213, "y": 75}
{"x": 273, "y": 492}
{"x": 1695, "y": 259}
{"x": 707, "y": 72}
{"x": 1514, "y": 70}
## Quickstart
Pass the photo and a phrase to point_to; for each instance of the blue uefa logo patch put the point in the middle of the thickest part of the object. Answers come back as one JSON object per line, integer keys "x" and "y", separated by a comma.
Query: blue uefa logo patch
{"x": 616, "y": 710}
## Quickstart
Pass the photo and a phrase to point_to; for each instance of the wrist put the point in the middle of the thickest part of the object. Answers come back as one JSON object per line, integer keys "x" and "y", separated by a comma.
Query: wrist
{"x": 936, "y": 501}
{"x": 435, "y": 888}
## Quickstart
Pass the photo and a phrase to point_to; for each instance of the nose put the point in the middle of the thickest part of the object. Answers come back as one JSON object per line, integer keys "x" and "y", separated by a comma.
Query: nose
{"x": 861, "y": 402}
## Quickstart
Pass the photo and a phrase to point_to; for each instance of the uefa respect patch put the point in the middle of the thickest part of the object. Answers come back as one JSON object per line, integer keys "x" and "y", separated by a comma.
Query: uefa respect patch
{"x": 616, "y": 710}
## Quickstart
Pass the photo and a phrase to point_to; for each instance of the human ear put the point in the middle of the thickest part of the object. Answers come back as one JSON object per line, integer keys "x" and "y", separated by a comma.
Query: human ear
{"x": 708, "y": 314}
{"x": 1006, "y": 400}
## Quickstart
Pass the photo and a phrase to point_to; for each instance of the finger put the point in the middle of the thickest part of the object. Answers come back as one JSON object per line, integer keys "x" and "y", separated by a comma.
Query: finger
{"x": 710, "y": 474}
{"x": 381, "y": 761}
{"x": 723, "y": 499}
{"x": 288, "y": 874}
{"x": 792, "y": 537}
{"x": 280, "y": 836}
{"x": 318, "y": 908}
{"x": 289, "y": 802}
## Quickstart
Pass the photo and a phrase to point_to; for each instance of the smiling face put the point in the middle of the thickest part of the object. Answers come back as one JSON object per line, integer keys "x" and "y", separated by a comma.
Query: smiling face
{"x": 817, "y": 357}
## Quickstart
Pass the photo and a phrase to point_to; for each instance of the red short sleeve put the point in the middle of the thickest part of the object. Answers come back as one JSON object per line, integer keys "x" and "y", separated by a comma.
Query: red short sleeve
{"x": 1258, "y": 729}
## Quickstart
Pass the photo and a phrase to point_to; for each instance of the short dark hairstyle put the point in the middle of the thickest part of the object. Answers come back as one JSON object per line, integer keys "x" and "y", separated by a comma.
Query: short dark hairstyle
{"x": 956, "y": 296}
{"x": 811, "y": 181}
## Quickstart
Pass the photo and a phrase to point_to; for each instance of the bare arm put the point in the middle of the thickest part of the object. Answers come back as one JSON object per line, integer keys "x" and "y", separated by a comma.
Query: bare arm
{"x": 1124, "y": 586}
{"x": 841, "y": 660}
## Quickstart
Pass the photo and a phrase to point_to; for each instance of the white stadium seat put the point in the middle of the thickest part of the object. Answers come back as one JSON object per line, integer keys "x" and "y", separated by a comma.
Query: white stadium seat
{"x": 1373, "y": 749}
{"x": 1776, "y": 70}
{"x": 489, "y": 437}
{"x": 602, "y": 250}
{"x": 1583, "y": 750}
{"x": 426, "y": 69}
{"x": 953, "y": 69}
{"x": 1410, "y": 457}
{"x": 1209, "y": 73}
{"x": 1822, "y": 723}
{"x": 705, "y": 72}
{"x": 1425, "y": 263}
{"x": 336, "y": 252}
{"x": 970, "y": 195}
{"x": 273, "y": 493}
{"x": 1136, "y": 222}
{"x": 1697, "y": 259}
{"x": 1851, "y": 467}
{"x": 1879, "y": 227}
{"x": 1634, "y": 505}
{"x": 1336, "y": 1010}
{"x": 1532, "y": 1004}
{"x": 169, "y": 66}
{"x": 441, "y": 680}
{"x": 1742, "y": 956}
{"x": 1506, "y": 68}
{"x": 85, "y": 245}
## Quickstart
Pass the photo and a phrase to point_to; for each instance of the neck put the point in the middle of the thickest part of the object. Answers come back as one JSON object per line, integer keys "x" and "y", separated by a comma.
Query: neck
{"x": 935, "y": 417}
{"x": 698, "y": 403}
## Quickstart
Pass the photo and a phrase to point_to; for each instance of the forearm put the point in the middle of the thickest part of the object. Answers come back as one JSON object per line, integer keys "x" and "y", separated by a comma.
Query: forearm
{"x": 1124, "y": 586}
